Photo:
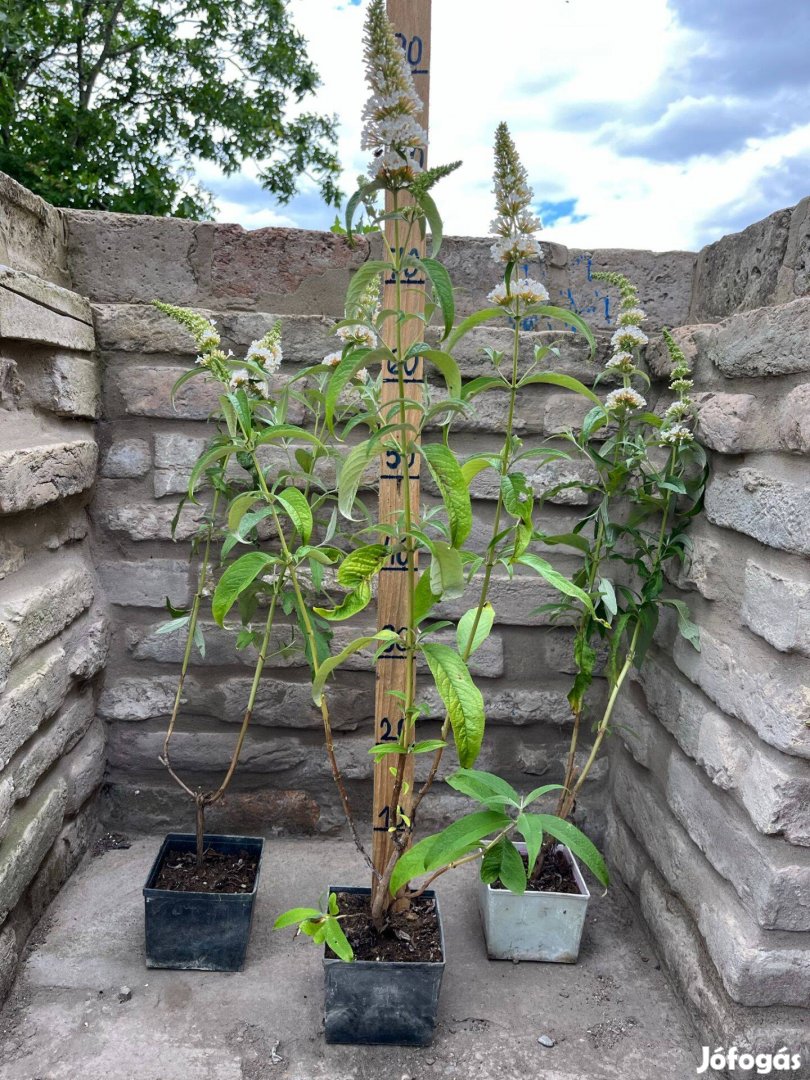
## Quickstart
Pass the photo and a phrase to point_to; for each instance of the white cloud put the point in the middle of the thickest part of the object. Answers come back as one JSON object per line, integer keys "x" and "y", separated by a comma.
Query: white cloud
{"x": 545, "y": 68}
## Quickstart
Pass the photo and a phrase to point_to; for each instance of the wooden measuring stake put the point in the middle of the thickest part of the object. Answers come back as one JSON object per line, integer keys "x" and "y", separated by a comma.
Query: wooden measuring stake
{"x": 411, "y": 21}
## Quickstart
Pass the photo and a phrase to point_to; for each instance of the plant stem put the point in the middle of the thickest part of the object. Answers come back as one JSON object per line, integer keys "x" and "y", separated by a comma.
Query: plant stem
{"x": 490, "y": 560}
{"x": 192, "y": 626}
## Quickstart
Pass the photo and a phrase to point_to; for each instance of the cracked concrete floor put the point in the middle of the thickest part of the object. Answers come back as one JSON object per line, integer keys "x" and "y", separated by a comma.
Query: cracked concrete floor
{"x": 612, "y": 1015}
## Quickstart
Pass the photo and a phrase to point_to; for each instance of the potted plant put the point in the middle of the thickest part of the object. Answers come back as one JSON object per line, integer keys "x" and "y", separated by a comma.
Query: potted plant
{"x": 200, "y": 892}
{"x": 384, "y": 944}
{"x": 647, "y": 476}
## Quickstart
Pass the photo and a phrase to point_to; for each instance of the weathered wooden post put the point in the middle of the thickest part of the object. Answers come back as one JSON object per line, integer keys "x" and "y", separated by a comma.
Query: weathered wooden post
{"x": 411, "y": 21}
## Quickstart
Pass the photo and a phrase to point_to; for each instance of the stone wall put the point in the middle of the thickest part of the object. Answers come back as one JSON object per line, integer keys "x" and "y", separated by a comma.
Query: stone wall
{"x": 709, "y": 786}
{"x": 52, "y": 629}
{"x": 244, "y": 279}
{"x": 710, "y": 778}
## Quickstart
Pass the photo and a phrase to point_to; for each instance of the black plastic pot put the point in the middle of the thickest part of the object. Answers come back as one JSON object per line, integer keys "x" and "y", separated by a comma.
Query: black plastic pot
{"x": 382, "y": 1002}
{"x": 199, "y": 931}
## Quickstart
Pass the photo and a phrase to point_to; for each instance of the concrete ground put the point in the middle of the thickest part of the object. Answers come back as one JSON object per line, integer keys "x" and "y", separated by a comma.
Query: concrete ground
{"x": 611, "y": 1016}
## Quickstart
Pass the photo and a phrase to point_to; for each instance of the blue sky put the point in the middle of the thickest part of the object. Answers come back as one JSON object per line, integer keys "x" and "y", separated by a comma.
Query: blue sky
{"x": 642, "y": 123}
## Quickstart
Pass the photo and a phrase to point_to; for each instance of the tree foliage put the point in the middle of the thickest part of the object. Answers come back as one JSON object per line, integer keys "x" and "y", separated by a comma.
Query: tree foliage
{"x": 106, "y": 104}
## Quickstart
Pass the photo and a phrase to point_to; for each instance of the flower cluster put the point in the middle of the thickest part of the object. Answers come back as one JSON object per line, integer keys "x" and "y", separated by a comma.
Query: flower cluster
{"x": 515, "y": 226}
{"x": 360, "y": 334}
{"x": 628, "y": 337}
{"x": 204, "y": 331}
{"x": 266, "y": 352}
{"x": 391, "y": 125}
{"x": 523, "y": 290}
{"x": 624, "y": 399}
{"x": 674, "y": 430}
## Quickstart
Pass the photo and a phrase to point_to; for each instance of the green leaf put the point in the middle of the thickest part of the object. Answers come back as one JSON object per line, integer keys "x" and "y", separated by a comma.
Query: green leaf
{"x": 361, "y": 564}
{"x": 175, "y": 624}
{"x": 686, "y": 628}
{"x": 445, "y": 470}
{"x": 443, "y": 288}
{"x": 295, "y": 915}
{"x": 351, "y": 473}
{"x": 356, "y": 601}
{"x": 480, "y": 785}
{"x": 473, "y": 466}
{"x": 427, "y": 746}
{"x": 462, "y": 699}
{"x": 484, "y": 382}
{"x": 452, "y": 843}
{"x": 236, "y": 578}
{"x": 431, "y": 212}
{"x": 332, "y": 662}
{"x": 518, "y": 496}
{"x": 569, "y": 539}
{"x": 537, "y": 792}
{"x": 423, "y": 599}
{"x": 465, "y": 646}
{"x": 355, "y": 201}
{"x": 448, "y": 369}
{"x": 446, "y": 570}
{"x": 287, "y": 431}
{"x": 361, "y": 279}
{"x": 548, "y": 311}
{"x": 464, "y": 327}
{"x": 239, "y": 507}
{"x": 578, "y": 843}
{"x": 512, "y": 872}
{"x": 216, "y": 453}
{"x": 608, "y": 594}
{"x": 551, "y": 378}
{"x": 558, "y": 580}
{"x": 343, "y": 374}
{"x": 297, "y": 507}
{"x": 337, "y": 940}
{"x": 532, "y": 832}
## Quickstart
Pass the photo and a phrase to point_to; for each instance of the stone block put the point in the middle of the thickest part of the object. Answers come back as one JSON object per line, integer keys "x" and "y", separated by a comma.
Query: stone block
{"x": 12, "y": 557}
{"x": 767, "y": 501}
{"x": 559, "y": 474}
{"x": 9, "y": 958}
{"x": 32, "y": 234}
{"x": 708, "y": 568}
{"x": 758, "y": 967}
{"x": 776, "y": 606}
{"x": 130, "y": 583}
{"x": 66, "y": 384}
{"x": 50, "y": 743}
{"x": 770, "y": 877}
{"x": 794, "y": 276}
{"x": 572, "y": 355}
{"x": 126, "y": 458}
{"x": 283, "y": 703}
{"x": 486, "y": 663}
{"x": 35, "y": 310}
{"x": 718, "y": 1020}
{"x": 740, "y": 271}
{"x": 125, "y": 257}
{"x": 793, "y": 420}
{"x": 728, "y": 422}
{"x": 738, "y": 673}
{"x": 33, "y": 828}
{"x": 34, "y": 693}
{"x": 251, "y": 266}
{"x": 84, "y": 767}
{"x": 7, "y": 800}
{"x": 41, "y": 600}
{"x": 138, "y": 697}
{"x": 515, "y": 599}
{"x": 773, "y": 788}
{"x": 148, "y": 520}
{"x": 147, "y": 391}
{"x": 33, "y": 475}
{"x": 768, "y": 341}
{"x": 87, "y": 644}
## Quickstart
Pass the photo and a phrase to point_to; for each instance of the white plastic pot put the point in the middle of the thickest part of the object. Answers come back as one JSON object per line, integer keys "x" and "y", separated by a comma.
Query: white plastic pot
{"x": 537, "y": 925}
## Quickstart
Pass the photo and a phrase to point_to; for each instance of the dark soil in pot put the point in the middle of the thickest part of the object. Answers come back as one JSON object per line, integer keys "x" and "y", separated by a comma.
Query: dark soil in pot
{"x": 557, "y": 876}
{"x": 411, "y": 936}
{"x": 221, "y": 872}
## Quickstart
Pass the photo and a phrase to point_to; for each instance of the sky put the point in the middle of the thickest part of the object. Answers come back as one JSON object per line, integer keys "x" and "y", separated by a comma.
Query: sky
{"x": 658, "y": 124}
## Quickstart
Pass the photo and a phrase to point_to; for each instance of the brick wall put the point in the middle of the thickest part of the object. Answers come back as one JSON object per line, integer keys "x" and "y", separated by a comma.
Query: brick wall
{"x": 53, "y": 634}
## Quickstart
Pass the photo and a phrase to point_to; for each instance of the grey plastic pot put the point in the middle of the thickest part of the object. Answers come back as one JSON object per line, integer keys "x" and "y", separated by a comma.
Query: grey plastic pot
{"x": 543, "y": 926}
{"x": 371, "y": 1002}
{"x": 199, "y": 931}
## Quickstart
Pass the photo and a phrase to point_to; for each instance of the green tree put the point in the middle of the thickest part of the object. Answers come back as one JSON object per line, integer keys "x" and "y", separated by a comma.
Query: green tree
{"x": 105, "y": 104}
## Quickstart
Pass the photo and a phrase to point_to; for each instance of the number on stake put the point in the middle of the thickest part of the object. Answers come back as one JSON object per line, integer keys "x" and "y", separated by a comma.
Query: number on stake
{"x": 388, "y": 731}
{"x": 414, "y": 50}
{"x": 395, "y": 645}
